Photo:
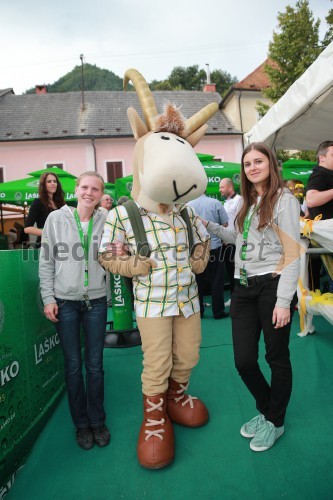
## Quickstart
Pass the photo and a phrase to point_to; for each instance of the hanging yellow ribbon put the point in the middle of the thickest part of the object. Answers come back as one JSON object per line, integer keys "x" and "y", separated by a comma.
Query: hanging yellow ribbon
{"x": 321, "y": 298}
{"x": 317, "y": 297}
{"x": 308, "y": 225}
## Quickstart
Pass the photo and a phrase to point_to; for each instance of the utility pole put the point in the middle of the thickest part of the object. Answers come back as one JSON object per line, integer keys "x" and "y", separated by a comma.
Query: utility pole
{"x": 82, "y": 82}
{"x": 208, "y": 74}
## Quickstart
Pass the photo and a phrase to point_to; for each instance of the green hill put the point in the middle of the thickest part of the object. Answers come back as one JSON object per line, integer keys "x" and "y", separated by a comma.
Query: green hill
{"x": 94, "y": 79}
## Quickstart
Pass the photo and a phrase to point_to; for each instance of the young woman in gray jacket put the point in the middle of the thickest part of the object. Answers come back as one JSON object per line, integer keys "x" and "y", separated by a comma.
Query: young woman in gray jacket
{"x": 74, "y": 294}
{"x": 267, "y": 238}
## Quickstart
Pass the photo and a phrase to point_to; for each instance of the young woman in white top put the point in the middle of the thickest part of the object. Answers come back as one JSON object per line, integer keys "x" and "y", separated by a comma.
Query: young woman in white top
{"x": 267, "y": 237}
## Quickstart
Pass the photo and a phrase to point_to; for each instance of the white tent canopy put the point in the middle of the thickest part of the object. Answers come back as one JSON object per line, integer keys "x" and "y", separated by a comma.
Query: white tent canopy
{"x": 303, "y": 117}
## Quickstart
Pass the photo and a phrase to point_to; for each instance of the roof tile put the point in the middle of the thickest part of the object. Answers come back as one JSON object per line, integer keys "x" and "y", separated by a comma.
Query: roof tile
{"x": 59, "y": 115}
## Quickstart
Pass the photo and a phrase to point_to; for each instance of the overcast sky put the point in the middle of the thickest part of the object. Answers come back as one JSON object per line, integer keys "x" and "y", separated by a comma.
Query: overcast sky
{"x": 42, "y": 41}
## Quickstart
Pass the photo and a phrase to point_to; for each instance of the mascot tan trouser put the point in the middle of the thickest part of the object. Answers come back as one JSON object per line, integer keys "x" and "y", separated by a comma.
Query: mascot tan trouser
{"x": 170, "y": 348}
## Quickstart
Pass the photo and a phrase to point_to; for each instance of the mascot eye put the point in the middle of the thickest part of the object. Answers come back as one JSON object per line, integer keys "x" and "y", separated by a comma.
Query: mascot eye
{"x": 179, "y": 140}
{"x": 165, "y": 138}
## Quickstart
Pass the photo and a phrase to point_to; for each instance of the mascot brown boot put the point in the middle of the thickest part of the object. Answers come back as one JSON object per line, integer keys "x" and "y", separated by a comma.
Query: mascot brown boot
{"x": 184, "y": 409}
{"x": 156, "y": 447}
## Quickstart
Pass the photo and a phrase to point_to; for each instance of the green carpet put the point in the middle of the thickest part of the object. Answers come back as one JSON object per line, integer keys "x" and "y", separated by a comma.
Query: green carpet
{"x": 212, "y": 462}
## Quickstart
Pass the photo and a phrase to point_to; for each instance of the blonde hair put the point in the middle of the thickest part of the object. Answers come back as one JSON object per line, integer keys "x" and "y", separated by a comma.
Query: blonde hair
{"x": 90, "y": 173}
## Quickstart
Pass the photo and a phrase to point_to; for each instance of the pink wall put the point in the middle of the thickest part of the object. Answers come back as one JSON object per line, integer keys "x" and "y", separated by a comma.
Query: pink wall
{"x": 228, "y": 147}
{"x": 19, "y": 158}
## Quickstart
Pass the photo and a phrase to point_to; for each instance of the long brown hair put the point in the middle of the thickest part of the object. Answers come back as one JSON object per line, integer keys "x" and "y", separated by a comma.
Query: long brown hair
{"x": 58, "y": 197}
{"x": 272, "y": 189}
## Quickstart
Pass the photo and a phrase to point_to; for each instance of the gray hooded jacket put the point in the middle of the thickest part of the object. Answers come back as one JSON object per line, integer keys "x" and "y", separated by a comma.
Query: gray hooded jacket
{"x": 267, "y": 250}
{"x": 61, "y": 261}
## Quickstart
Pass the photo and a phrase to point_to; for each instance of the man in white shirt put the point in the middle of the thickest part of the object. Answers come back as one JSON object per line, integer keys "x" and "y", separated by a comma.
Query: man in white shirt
{"x": 231, "y": 206}
{"x": 212, "y": 210}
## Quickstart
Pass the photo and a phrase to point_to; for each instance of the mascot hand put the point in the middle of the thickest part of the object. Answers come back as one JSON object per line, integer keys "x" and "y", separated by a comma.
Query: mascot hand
{"x": 200, "y": 257}
{"x": 126, "y": 265}
{"x": 141, "y": 265}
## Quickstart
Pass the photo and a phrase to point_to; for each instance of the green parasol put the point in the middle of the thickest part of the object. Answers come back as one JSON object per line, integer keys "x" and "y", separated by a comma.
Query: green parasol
{"x": 24, "y": 191}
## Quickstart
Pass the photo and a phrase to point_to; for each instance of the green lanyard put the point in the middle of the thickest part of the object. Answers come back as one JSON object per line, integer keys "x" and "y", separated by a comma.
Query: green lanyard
{"x": 85, "y": 240}
{"x": 247, "y": 224}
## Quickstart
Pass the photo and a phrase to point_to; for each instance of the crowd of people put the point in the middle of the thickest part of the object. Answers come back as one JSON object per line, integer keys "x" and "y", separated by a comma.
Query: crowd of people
{"x": 255, "y": 238}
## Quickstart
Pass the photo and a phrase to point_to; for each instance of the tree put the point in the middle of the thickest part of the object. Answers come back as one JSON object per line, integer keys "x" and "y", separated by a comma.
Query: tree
{"x": 223, "y": 80}
{"x": 309, "y": 155}
{"x": 163, "y": 85}
{"x": 193, "y": 78}
{"x": 294, "y": 48}
{"x": 282, "y": 155}
{"x": 262, "y": 108}
{"x": 190, "y": 78}
{"x": 328, "y": 38}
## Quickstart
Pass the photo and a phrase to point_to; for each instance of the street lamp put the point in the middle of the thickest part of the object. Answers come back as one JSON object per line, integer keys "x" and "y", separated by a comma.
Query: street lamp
{"x": 82, "y": 81}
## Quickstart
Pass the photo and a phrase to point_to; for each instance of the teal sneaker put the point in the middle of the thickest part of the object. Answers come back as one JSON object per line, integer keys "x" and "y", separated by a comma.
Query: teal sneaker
{"x": 266, "y": 436}
{"x": 250, "y": 428}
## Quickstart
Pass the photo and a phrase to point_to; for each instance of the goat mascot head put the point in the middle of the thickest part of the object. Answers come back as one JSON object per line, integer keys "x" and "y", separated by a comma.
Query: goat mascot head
{"x": 166, "y": 169}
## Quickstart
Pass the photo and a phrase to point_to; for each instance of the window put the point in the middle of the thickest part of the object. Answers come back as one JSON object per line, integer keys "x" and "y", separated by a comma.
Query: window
{"x": 114, "y": 170}
{"x": 59, "y": 165}
{"x": 1, "y": 174}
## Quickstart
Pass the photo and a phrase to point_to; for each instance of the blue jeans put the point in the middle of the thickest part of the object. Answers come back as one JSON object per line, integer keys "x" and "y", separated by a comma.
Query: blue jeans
{"x": 86, "y": 402}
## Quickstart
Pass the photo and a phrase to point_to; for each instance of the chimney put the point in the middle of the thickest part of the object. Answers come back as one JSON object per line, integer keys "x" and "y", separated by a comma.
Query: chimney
{"x": 41, "y": 89}
{"x": 209, "y": 87}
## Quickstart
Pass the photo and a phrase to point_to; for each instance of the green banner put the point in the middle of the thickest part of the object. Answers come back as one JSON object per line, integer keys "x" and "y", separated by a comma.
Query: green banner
{"x": 123, "y": 186}
{"x": 31, "y": 361}
{"x": 299, "y": 170}
{"x": 121, "y": 303}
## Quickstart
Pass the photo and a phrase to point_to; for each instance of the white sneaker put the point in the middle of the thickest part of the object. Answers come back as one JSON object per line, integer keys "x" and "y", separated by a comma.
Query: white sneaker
{"x": 249, "y": 429}
{"x": 266, "y": 436}
{"x": 227, "y": 304}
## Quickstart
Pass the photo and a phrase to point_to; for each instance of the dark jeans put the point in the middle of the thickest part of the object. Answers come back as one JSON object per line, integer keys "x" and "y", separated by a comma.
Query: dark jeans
{"x": 213, "y": 275}
{"x": 251, "y": 312}
{"x": 229, "y": 262}
{"x": 86, "y": 402}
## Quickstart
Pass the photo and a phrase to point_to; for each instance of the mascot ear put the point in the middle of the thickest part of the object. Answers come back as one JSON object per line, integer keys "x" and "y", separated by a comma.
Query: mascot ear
{"x": 138, "y": 127}
{"x": 195, "y": 137}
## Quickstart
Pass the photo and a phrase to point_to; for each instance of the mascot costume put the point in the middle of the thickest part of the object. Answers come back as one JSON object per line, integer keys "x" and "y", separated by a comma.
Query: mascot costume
{"x": 166, "y": 174}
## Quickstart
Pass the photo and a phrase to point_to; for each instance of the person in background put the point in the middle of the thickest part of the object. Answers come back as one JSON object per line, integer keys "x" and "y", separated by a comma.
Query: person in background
{"x": 266, "y": 273}
{"x": 231, "y": 206}
{"x": 297, "y": 188}
{"x": 73, "y": 291}
{"x": 212, "y": 210}
{"x": 51, "y": 197}
{"x": 12, "y": 238}
{"x": 319, "y": 200}
{"x": 290, "y": 184}
{"x": 122, "y": 200}
{"x": 106, "y": 202}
